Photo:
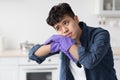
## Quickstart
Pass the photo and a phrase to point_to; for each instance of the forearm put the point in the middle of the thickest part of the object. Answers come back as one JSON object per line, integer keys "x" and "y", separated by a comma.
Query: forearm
{"x": 43, "y": 50}
{"x": 74, "y": 51}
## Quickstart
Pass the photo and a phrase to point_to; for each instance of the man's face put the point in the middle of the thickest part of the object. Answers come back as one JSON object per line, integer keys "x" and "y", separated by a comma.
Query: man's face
{"x": 69, "y": 27}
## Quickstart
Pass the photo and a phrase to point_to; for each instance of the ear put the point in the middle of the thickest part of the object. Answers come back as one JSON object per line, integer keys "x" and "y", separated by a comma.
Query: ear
{"x": 76, "y": 19}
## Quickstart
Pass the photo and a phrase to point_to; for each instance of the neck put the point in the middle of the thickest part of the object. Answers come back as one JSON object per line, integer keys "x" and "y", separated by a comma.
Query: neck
{"x": 78, "y": 38}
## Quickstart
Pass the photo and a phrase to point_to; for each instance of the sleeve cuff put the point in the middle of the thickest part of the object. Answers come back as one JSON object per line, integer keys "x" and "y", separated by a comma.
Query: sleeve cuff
{"x": 34, "y": 57}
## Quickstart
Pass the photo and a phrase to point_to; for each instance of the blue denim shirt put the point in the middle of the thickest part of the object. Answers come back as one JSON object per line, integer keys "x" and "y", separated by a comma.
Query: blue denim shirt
{"x": 95, "y": 55}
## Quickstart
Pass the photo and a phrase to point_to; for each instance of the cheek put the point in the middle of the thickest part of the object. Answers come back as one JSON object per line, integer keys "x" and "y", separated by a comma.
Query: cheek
{"x": 74, "y": 29}
{"x": 75, "y": 32}
{"x": 60, "y": 33}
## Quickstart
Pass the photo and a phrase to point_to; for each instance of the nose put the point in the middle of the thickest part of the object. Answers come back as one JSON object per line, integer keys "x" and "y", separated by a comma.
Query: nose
{"x": 65, "y": 29}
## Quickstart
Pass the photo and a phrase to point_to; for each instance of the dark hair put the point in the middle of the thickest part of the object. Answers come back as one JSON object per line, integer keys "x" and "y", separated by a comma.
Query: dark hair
{"x": 57, "y": 12}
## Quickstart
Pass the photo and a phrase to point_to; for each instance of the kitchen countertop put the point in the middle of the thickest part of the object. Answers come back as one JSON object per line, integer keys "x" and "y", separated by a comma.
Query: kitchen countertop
{"x": 13, "y": 53}
{"x": 116, "y": 51}
{"x": 19, "y": 53}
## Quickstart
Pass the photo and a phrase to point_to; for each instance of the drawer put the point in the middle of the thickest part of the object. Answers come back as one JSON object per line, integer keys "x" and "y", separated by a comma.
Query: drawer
{"x": 49, "y": 60}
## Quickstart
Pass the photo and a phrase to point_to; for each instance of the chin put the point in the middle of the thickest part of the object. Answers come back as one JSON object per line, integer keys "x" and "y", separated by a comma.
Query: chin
{"x": 73, "y": 37}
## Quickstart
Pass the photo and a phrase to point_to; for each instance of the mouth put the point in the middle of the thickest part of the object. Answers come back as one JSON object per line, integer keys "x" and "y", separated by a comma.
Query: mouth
{"x": 69, "y": 34}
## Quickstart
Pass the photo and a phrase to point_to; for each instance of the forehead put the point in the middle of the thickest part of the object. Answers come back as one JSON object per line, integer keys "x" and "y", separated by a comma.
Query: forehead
{"x": 63, "y": 19}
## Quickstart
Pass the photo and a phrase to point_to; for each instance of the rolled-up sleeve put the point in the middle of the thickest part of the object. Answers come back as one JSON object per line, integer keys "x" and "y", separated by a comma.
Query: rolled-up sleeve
{"x": 34, "y": 57}
{"x": 98, "y": 49}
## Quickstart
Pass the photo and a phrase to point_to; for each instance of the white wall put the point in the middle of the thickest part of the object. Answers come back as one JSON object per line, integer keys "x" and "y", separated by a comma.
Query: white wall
{"x": 22, "y": 20}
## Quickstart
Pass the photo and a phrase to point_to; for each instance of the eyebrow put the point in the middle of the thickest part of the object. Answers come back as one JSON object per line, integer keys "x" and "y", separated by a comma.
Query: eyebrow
{"x": 55, "y": 26}
{"x": 64, "y": 19}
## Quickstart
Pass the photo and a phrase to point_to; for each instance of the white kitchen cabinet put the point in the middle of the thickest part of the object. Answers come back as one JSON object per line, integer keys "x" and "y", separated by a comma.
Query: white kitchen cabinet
{"x": 117, "y": 65}
{"x": 8, "y": 68}
{"x": 49, "y": 68}
{"x": 108, "y": 8}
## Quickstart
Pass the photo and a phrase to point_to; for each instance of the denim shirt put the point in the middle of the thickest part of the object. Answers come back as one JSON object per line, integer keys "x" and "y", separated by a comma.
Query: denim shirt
{"x": 95, "y": 54}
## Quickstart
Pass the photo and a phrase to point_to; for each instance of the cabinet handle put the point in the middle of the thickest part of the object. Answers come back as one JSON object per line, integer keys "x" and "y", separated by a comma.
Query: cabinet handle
{"x": 49, "y": 60}
{"x": 29, "y": 60}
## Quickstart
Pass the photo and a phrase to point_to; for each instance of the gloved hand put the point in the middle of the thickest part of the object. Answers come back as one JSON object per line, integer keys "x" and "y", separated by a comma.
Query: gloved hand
{"x": 59, "y": 42}
{"x": 65, "y": 42}
{"x": 54, "y": 47}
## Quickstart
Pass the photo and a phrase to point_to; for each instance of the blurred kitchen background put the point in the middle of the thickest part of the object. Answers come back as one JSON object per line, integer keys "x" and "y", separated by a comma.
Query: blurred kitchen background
{"x": 23, "y": 24}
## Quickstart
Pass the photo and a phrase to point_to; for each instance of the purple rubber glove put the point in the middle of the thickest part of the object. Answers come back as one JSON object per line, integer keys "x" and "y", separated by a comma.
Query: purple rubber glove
{"x": 54, "y": 47}
{"x": 70, "y": 56}
{"x": 64, "y": 44}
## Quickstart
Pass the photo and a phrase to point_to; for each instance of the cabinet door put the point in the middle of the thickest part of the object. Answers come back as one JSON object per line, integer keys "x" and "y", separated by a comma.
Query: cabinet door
{"x": 112, "y": 5}
{"x": 117, "y": 4}
{"x": 108, "y": 8}
{"x": 8, "y": 73}
{"x": 8, "y": 69}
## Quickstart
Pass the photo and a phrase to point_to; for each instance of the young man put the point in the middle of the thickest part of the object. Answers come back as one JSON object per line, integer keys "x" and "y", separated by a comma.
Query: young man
{"x": 85, "y": 51}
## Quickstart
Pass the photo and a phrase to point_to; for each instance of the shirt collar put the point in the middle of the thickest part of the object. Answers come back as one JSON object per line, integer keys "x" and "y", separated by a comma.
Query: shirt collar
{"x": 84, "y": 36}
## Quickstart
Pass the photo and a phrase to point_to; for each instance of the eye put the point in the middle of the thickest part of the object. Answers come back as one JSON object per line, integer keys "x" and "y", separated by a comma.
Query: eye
{"x": 57, "y": 28}
{"x": 66, "y": 23}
